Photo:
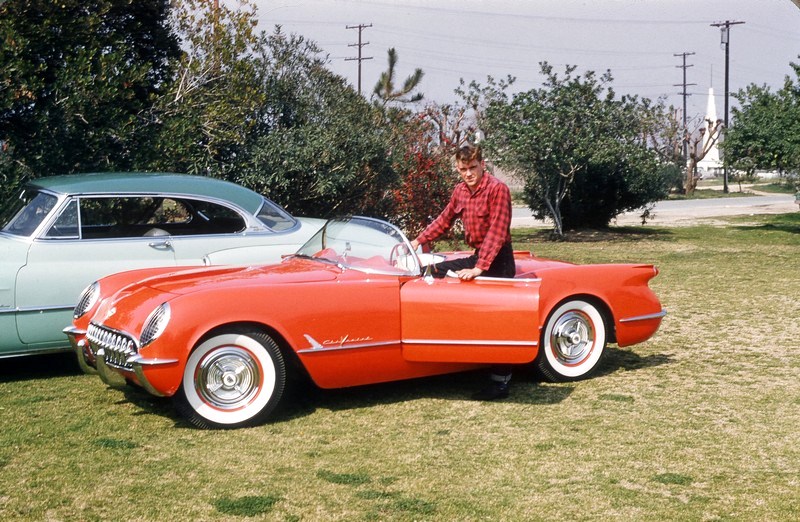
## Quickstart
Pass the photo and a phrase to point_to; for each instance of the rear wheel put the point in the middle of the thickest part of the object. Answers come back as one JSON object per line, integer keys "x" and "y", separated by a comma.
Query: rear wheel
{"x": 573, "y": 342}
{"x": 231, "y": 380}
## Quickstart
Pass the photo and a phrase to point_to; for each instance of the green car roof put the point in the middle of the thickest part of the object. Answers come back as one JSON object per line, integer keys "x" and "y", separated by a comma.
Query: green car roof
{"x": 151, "y": 183}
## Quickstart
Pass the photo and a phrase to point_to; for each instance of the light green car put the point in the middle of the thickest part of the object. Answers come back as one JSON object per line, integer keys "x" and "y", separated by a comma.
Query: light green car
{"x": 65, "y": 232}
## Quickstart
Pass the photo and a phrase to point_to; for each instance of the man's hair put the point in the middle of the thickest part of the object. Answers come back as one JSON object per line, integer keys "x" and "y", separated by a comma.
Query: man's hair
{"x": 468, "y": 153}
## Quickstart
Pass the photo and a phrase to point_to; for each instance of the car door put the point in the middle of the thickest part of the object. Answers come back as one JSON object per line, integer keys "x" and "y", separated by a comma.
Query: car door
{"x": 13, "y": 252}
{"x": 79, "y": 247}
{"x": 486, "y": 320}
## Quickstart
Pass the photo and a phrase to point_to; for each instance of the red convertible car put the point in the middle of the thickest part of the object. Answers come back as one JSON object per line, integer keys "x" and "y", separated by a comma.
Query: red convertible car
{"x": 353, "y": 306}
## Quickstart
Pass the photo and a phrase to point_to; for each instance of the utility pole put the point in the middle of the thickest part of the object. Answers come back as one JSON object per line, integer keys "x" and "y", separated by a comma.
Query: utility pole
{"x": 725, "y": 42}
{"x": 684, "y": 94}
{"x": 360, "y": 28}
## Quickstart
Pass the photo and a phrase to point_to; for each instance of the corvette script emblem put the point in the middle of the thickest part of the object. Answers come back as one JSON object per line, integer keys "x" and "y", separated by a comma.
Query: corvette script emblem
{"x": 327, "y": 343}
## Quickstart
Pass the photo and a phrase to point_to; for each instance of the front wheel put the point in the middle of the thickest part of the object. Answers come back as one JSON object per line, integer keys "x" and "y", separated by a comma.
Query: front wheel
{"x": 231, "y": 380}
{"x": 573, "y": 342}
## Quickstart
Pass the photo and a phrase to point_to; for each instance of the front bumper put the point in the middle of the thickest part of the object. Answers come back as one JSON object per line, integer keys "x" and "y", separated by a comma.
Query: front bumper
{"x": 83, "y": 352}
{"x": 99, "y": 358}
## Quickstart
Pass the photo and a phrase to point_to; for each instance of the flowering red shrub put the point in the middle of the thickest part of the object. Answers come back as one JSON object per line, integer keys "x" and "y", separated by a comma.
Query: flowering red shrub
{"x": 426, "y": 178}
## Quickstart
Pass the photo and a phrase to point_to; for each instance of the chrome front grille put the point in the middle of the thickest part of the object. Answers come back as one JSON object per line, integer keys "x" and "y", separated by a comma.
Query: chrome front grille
{"x": 117, "y": 346}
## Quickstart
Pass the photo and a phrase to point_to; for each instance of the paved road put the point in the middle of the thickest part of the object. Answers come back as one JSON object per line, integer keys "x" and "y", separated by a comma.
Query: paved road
{"x": 687, "y": 212}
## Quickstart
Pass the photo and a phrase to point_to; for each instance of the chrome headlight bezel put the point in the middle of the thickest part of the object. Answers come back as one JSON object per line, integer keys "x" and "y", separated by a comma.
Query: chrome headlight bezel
{"x": 87, "y": 300}
{"x": 155, "y": 324}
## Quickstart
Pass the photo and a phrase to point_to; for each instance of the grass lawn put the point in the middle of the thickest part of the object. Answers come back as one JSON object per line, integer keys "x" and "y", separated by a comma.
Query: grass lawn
{"x": 775, "y": 188}
{"x": 702, "y": 422}
{"x": 708, "y": 193}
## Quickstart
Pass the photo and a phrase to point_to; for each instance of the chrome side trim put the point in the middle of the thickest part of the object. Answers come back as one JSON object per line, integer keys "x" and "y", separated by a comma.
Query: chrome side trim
{"x": 139, "y": 363}
{"x": 444, "y": 342}
{"x": 72, "y": 331}
{"x": 27, "y": 353}
{"x": 483, "y": 342}
{"x": 647, "y": 317}
{"x": 512, "y": 279}
{"x": 138, "y": 360}
{"x": 27, "y": 310}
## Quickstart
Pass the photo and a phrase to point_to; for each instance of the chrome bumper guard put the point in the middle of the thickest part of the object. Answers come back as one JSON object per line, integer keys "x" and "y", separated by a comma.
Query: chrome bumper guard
{"x": 112, "y": 377}
{"x": 80, "y": 348}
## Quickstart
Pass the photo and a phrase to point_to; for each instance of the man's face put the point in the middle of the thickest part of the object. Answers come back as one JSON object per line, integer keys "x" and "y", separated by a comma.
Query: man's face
{"x": 471, "y": 172}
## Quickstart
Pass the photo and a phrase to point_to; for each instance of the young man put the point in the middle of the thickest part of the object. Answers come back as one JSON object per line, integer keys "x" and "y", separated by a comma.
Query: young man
{"x": 483, "y": 204}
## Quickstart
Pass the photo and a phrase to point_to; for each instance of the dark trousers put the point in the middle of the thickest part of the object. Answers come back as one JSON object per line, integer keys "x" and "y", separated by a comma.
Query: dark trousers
{"x": 502, "y": 266}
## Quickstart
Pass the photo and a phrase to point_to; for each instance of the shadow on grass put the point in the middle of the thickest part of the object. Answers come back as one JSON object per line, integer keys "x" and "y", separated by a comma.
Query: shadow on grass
{"x": 618, "y": 234}
{"x": 617, "y": 359}
{"x": 789, "y": 223}
{"x": 303, "y": 398}
{"x": 458, "y": 387}
{"x": 527, "y": 387}
{"x": 38, "y": 367}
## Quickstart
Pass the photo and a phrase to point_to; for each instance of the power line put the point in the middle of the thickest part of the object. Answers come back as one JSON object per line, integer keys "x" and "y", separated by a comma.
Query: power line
{"x": 504, "y": 14}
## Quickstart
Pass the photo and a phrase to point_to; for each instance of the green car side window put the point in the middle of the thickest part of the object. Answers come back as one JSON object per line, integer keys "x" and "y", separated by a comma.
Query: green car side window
{"x": 141, "y": 216}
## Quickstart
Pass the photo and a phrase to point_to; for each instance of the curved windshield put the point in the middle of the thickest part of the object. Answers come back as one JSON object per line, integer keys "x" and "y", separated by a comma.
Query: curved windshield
{"x": 364, "y": 244}
{"x": 24, "y": 215}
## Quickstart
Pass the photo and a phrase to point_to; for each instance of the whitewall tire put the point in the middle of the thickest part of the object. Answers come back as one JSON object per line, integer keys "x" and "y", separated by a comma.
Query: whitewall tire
{"x": 573, "y": 342}
{"x": 232, "y": 379}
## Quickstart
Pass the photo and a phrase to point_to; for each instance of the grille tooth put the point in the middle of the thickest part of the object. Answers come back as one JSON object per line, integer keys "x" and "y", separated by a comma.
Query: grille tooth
{"x": 118, "y": 346}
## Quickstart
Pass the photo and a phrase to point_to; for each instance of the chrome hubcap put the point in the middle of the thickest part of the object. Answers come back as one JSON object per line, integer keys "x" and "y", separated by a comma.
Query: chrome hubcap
{"x": 228, "y": 378}
{"x": 572, "y": 337}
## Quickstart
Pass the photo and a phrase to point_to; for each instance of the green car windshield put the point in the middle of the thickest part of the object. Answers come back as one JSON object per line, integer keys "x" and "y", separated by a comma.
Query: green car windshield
{"x": 24, "y": 215}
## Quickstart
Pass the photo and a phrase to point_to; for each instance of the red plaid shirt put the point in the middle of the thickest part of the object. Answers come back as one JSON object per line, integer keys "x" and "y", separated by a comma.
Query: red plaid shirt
{"x": 486, "y": 215}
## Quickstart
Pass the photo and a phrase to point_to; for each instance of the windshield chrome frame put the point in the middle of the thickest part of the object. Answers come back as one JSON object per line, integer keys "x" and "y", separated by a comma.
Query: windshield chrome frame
{"x": 416, "y": 269}
{"x": 46, "y": 221}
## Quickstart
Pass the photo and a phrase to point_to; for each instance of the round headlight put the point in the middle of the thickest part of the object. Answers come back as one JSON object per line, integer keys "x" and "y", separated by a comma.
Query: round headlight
{"x": 155, "y": 324}
{"x": 87, "y": 300}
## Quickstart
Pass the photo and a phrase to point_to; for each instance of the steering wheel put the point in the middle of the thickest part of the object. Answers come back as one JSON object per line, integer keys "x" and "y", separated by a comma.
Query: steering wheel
{"x": 399, "y": 250}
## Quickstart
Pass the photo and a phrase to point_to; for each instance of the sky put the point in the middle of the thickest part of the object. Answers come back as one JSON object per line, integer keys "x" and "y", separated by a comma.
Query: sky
{"x": 638, "y": 40}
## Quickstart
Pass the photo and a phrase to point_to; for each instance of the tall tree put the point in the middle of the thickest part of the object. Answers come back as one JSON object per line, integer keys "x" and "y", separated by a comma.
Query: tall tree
{"x": 581, "y": 151}
{"x": 765, "y": 133}
{"x": 319, "y": 148}
{"x": 700, "y": 141}
{"x": 386, "y": 91}
{"x": 206, "y": 115}
{"x": 75, "y": 77}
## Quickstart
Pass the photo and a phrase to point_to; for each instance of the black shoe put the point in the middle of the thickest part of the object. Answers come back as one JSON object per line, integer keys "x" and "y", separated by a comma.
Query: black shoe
{"x": 496, "y": 390}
